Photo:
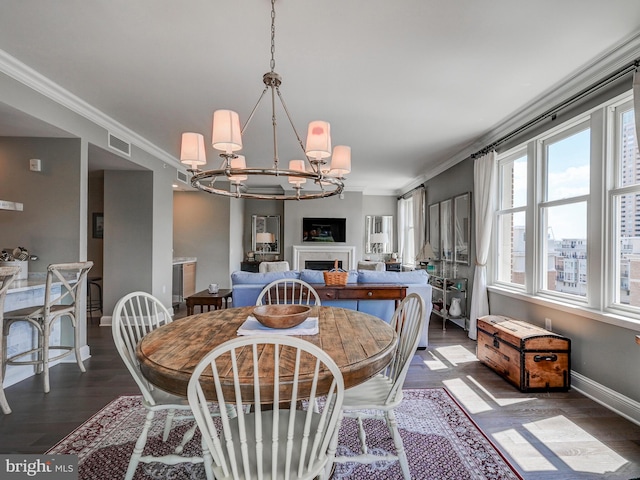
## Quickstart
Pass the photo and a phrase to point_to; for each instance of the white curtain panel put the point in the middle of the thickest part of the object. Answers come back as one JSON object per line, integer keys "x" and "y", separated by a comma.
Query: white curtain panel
{"x": 636, "y": 102}
{"x": 402, "y": 230}
{"x": 419, "y": 220}
{"x": 485, "y": 173}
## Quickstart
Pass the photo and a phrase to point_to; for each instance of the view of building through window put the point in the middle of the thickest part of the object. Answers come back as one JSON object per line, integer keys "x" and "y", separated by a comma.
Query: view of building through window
{"x": 578, "y": 217}
{"x": 628, "y": 214}
{"x": 563, "y": 213}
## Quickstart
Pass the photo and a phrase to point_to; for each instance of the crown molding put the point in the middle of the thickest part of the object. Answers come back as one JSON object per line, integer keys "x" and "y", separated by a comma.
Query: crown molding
{"x": 29, "y": 77}
{"x": 615, "y": 58}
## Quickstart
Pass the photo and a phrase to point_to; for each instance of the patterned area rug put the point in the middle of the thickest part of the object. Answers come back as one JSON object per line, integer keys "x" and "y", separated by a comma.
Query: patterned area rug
{"x": 440, "y": 440}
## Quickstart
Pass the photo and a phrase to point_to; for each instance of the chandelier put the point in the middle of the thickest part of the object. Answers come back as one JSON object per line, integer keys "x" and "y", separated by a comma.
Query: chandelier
{"x": 227, "y": 139}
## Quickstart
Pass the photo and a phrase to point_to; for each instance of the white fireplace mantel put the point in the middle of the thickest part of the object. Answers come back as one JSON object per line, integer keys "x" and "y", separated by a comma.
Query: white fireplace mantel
{"x": 346, "y": 254}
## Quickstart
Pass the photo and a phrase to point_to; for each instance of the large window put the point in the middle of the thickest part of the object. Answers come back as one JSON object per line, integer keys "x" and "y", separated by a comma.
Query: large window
{"x": 625, "y": 200}
{"x": 511, "y": 225}
{"x": 568, "y": 218}
{"x": 562, "y": 211}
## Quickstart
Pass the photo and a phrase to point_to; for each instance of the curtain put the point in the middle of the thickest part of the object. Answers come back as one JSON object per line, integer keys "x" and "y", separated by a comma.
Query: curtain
{"x": 485, "y": 173}
{"x": 419, "y": 220}
{"x": 411, "y": 225}
{"x": 402, "y": 229}
{"x": 636, "y": 102}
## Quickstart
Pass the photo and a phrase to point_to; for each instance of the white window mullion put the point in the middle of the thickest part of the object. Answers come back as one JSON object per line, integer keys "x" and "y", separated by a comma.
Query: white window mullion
{"x": 596, "y": 233}
{"x": 534, "y": 153}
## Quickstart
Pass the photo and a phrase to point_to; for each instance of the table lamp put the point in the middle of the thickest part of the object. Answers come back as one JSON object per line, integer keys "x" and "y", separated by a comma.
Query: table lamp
{"x": 266, "y": 239}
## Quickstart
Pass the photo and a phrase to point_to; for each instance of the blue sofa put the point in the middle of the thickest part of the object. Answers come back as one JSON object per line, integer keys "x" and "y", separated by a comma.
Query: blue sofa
{"x": 247, "y": 286}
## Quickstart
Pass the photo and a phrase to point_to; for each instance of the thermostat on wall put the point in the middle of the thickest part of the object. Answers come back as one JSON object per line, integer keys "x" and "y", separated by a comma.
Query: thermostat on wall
{"x": 35, "y": 165}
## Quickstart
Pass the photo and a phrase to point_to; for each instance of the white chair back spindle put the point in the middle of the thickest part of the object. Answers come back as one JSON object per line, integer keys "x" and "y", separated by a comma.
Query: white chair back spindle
{"x": 286, "y": 441}
{"x": 288, "y": 291}
{"x": 134, "y": 316}
{"x": 378, "y": 396}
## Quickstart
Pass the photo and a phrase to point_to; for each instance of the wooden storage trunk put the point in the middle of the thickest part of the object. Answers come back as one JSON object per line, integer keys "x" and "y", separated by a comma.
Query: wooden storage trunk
{"x": 530, "y": 357}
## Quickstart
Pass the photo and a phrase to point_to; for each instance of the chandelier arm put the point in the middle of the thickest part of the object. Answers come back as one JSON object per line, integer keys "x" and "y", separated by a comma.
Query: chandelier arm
{"x": 255, "y": 107}
{"x": 293, "y": 127}
{"x": 274, "y": 124}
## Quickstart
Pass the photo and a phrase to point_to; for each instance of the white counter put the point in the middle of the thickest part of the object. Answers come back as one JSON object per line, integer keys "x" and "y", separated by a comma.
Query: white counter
{"x": 34, "y": 280}
{"x": 179, "y": 260}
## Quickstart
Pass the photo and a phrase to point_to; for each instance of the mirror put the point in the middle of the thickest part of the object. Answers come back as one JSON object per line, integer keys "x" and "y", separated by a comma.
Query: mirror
{"x": 462, "y": 226}
{"x": 378, "y": 234}
{"x": 265, "y": 234}
{"x": 446, "y": 230}
{"x": 434, "y": 230}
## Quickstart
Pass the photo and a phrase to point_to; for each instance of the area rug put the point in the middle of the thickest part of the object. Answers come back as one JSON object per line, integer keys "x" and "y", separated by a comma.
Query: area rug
{"x": 440, "y": 439}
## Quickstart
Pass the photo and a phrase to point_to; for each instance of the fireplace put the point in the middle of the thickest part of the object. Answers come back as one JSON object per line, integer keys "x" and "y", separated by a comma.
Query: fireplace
{"x": 324, "y": 253}
{"x": 321, "y": 264}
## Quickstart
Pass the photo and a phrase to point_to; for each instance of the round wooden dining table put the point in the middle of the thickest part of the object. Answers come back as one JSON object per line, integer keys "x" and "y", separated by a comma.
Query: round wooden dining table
{"x": 361, "y": 345}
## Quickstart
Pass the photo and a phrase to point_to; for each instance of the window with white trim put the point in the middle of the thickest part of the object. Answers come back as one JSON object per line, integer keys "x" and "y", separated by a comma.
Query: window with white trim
{"x": 625, "y": 202}
{"x": 568, "y": 218}
{"x": 511, "y": 225}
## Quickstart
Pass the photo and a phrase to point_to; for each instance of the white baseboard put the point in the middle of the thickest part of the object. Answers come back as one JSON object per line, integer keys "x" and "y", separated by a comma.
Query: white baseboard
{"x": 614, "y": 401}
{"x": 105, "y": 321}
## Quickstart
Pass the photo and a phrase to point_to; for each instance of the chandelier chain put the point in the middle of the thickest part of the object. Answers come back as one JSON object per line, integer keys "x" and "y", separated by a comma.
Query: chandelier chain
{"x": 273, "y": 36}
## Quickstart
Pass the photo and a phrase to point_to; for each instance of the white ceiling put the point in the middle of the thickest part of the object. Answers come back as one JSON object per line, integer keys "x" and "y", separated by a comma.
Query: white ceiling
{"x": 408, "y": 84}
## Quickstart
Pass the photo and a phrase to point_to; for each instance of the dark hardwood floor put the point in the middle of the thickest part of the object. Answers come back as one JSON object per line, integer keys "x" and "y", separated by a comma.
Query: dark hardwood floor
{"x": 544, "y": 436}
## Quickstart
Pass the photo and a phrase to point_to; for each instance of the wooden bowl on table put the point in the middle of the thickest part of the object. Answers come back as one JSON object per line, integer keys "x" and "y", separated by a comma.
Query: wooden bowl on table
{"x": 281, "y": 316}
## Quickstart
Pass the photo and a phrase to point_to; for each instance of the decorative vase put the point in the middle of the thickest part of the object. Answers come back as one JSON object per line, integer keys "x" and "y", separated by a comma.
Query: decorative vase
{"x": 455, "y": 310}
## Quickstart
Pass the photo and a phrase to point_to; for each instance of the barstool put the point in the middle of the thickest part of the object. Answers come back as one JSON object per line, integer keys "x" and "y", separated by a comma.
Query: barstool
{"x": 7, "y": 276}
{"x": 71, "y": 276}
{"x": 94, "y": 295}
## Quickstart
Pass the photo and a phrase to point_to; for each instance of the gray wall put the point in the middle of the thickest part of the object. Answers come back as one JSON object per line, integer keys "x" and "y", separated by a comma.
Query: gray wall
{"x": 350, "y": 208}
{"x": 59, "y": 228}
{"x": 455, "y": 181}
{"x": 237, "y": 209}
{"x": 202, "y": 226}
{"x": 95, "y": 204}
{"x": 49, "y": 225}
{"x": 128, "y": 234}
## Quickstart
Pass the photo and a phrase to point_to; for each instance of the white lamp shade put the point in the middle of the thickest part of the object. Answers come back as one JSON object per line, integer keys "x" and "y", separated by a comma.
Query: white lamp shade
{"x": 192, "y": 149}
{"x": 298, "y": 166}
{"x": 238, "y": 162}
{"x": 341, "y": 160}
{"x": 264, "y": 237}
{"x": 226, "y": 135}
{"x": 379, "y": 238}
{"x": 318, "y": 139}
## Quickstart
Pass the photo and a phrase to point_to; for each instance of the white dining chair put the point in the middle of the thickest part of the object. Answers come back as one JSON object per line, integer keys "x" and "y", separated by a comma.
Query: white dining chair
{"x": 282, "y": 440}
{"x": 71, "y": 278}
{"x": 7, "y": 276}
{"x": 135, "y": 315}
{"x": 288, "y": 291}
{"x": 380, "y": 395}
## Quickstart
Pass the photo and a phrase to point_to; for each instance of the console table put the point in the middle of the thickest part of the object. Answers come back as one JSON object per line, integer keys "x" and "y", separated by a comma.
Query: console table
{"x": 366, "y": 291}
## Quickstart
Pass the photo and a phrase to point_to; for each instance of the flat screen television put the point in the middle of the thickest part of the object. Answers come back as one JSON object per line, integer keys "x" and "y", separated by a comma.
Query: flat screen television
{"x": 324, "y": 230}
